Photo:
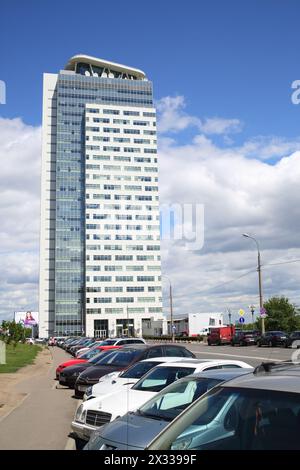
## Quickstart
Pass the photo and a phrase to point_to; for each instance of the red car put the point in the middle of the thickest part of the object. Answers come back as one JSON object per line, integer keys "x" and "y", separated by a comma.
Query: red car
{"x": 83, "y": 358}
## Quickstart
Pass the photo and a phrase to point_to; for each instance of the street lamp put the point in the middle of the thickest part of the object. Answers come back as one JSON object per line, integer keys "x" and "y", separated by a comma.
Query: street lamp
{"x": 259, "y": 280}
{"x": 252, "y": 310}
{"x": 229, "y": 315}
{"x": 171, "y": 307}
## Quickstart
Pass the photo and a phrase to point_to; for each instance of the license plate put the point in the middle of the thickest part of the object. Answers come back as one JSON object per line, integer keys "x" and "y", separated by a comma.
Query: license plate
{"x": 82, "y": 388}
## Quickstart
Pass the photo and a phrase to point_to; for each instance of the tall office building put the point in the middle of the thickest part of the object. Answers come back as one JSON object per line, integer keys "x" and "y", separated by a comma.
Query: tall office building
{"x": 100, "y": 268}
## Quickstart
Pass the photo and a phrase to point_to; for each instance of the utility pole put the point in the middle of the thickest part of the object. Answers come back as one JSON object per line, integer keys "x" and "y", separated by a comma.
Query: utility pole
{"x": 171, "y": 307}
{"x": 171, "y": 312}
{"x": 261, "y": 304}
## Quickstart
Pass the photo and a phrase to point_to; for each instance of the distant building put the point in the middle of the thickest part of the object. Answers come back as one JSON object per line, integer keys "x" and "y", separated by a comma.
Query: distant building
{"x": 100, "y": 271}
{"x": 194, "y": 324}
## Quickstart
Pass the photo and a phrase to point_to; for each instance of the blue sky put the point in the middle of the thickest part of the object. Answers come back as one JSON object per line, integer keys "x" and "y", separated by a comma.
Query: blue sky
{"x": 230, "y": 58}
{"x": 228, "y": 134}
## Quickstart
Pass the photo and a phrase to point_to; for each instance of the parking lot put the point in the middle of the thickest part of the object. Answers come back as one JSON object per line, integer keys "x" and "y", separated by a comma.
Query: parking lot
{"x": 251, "y": 354}
{"x": 42, "y": 420}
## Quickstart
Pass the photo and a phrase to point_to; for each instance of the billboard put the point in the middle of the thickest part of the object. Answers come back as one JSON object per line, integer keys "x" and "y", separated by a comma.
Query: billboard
{"x": 29, "y": 320}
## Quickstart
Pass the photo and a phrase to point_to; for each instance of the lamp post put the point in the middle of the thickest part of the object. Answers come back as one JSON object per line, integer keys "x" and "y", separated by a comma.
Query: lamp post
{"x": 171, "y": 307}
{"x": 229, "y": 315}
{"x": 259, "y": 280}
{"x": 252, "y": 310}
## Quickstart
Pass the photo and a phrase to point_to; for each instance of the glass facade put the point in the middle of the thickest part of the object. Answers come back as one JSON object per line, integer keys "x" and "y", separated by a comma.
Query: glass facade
{"x": 74, "y": 91}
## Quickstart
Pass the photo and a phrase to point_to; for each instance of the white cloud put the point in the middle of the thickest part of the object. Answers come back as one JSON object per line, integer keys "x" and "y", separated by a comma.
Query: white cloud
{"x": 221, "y": 126}
{"x": 241, "y": 192}
{"x": 20, "y": 152}
{"x": 173, "y": 118}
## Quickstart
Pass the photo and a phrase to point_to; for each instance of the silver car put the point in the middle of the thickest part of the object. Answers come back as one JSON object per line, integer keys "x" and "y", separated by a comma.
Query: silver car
{"x": 260, "y": 411}
{"x": 135, "y": 430}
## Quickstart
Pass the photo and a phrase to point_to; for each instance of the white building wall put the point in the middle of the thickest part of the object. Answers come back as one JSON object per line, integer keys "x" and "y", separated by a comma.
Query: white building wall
{"x": 199, "y": 321}
{"x": 121, "y": 174}
{"x": 47, "y": 224}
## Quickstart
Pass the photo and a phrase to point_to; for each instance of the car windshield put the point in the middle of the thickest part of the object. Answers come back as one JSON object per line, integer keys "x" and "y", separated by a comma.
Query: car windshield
{"x": 89, "y": 354}
{"x": 138, "y": 370}
{"x": 160, "y": 377}
{"x": 239, "y": 419}
{"x": 100, "y": 355}
{"x": 171, "y": 401}
{"x": 108, "y": 342}
{"x": 118, "y": 358}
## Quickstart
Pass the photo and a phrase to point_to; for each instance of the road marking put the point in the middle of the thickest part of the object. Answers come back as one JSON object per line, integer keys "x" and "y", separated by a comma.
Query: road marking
{"x": 236, "y": 355}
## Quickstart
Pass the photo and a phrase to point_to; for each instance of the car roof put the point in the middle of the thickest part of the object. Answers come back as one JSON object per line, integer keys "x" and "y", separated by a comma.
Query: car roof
{"x": 199, "y": 362}
{"x": 163, "y": 358}
{"x": 222, "y": 374}
{"x": 287, "y": 380}
{"x": 121, "y": 338}
{"x": 148, "y": 346}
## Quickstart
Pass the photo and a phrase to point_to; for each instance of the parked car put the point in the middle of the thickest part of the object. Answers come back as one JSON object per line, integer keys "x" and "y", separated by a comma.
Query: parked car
{"x": 68, "y": 376}
{"x": 100, "y": 410}
{"x": 83, "y": 358}
{"x": 120, "y": 360}
{"x": 135, "y": 430}
{"x": 121, "y": 341}
{"x": 77, "y": 342}
{"x": 245, "y": 338}
{"x": 115, "y": 381}
{"x": 77, "y": 347}
{"x": 293, "y": 340}
{"x": 83, "y": 350}
{"x": 260, "y": 411}
{"x": 272, "y": 338}
{"x": 220, "y": 335}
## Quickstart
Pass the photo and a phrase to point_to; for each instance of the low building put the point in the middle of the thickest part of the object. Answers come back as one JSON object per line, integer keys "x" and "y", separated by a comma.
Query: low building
{"x": 192, "y": 324}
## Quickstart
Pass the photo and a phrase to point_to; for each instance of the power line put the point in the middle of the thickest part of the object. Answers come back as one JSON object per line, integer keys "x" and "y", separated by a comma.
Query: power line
{"x": 225, "y": 283}
{"x": 243, "y": 275}
{"x": 282, "y": 262}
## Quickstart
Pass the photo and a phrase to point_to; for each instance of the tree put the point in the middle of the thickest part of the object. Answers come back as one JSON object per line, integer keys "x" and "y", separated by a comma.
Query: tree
{"x": 281, "y": 315}
{"x": 14, "y": 332}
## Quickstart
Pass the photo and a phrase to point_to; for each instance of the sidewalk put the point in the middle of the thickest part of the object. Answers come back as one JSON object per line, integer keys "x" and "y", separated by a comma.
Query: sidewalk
{"x": 34, "y": 414}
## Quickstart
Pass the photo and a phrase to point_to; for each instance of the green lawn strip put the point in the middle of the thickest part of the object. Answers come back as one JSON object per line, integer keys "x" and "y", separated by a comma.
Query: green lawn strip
{"x": 19, "y": 356}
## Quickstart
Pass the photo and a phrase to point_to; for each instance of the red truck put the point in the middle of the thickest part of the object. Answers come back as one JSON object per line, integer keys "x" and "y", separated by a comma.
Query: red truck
{"x": 221, "y": 335}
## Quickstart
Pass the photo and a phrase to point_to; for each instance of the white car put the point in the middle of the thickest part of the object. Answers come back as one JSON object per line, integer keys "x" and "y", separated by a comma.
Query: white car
{"x": 113, "y": 342}
{"x": 101, "y": 410}
{"x": 115, "y": 381}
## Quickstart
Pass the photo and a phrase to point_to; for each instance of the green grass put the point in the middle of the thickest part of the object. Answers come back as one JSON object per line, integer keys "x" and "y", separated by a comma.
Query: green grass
{"x": 19, "y": 356}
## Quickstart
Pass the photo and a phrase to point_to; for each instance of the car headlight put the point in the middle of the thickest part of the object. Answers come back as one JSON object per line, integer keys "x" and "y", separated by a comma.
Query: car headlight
{"x": 107, "y": 376}
{"x": 80, "y": 414}
{"x": 89, "y": 391}
{"x": 182, "y": 444}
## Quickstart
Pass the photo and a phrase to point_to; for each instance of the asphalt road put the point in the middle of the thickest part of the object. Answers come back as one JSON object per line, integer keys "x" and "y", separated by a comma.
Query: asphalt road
{"x": 42, "y": 421}
{"x": 250, "y": 354}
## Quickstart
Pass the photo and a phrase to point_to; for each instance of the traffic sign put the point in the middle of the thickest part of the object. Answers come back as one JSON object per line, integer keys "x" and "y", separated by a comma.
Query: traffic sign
{"x": 263, "y": 312}
{"x": 241, "y": 312}
{"x": 241, "y": 320}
